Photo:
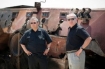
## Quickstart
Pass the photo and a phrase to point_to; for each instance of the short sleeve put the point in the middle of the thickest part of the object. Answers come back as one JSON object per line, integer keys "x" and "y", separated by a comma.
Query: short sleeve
{"x": 23, "y": 39}
{"x": 82, "y": 33}
{"x": 47, "y": 37}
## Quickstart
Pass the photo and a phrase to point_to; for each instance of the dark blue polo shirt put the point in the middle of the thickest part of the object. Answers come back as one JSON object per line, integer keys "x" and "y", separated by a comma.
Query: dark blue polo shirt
{"x": 76, "y": 37}
{"x": 35, "y": 42}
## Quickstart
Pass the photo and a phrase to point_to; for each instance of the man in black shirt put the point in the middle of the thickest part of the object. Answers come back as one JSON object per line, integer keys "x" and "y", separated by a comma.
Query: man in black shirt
{"x": 77, "y": 40}
{"x": 36, "y": 44}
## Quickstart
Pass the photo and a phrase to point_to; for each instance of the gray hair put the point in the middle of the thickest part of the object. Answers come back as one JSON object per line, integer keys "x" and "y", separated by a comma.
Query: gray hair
{"x": 71, "y": 15}
{"x": 33, "y": 18}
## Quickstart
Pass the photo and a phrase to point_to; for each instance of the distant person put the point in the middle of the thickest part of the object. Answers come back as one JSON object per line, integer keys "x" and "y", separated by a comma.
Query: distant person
{"x": 76, "y": 12}
{"x": 81, "y": 13}
{"x": 71, "y": 10}
{"x": 58, "y": 30}
{"x": 77, "y": 40}
{"x": 36, "y": 43}
{"x": 87, "y": 13}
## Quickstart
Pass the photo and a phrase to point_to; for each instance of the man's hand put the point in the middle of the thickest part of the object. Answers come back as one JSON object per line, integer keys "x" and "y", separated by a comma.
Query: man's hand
{"x": 78, "y": 52}
{"x": 28, "y": 52}
{"x": 85, "y": 44}
{"x": 46, "y": 52}
{"x": 25, "y": 50}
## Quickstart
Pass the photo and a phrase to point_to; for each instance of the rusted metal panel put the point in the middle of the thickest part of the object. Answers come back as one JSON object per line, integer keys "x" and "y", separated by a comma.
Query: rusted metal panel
{"x": 57, "y": 46}
{"x": 97, "y": 29}
{"x": 4, "y": 38}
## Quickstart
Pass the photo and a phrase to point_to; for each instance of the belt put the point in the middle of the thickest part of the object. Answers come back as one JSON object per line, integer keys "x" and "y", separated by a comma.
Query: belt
{"x": 71, "y": 51}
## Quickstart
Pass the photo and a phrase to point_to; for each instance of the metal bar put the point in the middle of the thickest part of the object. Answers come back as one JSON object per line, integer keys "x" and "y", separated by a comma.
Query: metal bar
{"x": 18, "y": 58}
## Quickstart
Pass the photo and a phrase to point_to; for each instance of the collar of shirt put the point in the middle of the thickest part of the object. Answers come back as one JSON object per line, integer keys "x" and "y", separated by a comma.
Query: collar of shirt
{"x": 39, "y": 29}
{"x": 73, "y": 27}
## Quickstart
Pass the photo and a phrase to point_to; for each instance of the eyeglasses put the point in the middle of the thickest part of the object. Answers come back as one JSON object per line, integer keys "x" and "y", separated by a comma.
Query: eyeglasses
{"x": 33, "y": 23}
{"x": 71, "y": 19}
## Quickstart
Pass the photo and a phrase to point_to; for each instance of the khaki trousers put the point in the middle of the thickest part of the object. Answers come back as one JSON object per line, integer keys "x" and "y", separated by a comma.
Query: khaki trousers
{"x": 76, "y": 62}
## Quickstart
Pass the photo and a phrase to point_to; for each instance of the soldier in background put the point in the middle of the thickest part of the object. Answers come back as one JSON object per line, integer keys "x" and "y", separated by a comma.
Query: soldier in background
{"x": 71, "y": 11}
{"x": 58, "y": 30}
{"x": 76, "y": 12}
{"x": 87, "y": 13}
{"x": 81, "y": 13}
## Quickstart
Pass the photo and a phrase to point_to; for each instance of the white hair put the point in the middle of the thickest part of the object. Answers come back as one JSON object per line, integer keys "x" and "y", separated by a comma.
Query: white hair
{"x": 33, "y": 18}
{"x": 71, "y": 15}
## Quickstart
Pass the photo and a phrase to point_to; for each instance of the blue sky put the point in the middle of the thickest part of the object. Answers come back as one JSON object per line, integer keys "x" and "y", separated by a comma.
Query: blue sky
{"x": 56, "y": 3}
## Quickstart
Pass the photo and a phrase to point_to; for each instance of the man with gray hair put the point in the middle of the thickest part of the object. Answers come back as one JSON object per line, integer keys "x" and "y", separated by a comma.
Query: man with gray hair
{"x": 77, "y": 40}
{"x": 36, "y": 42}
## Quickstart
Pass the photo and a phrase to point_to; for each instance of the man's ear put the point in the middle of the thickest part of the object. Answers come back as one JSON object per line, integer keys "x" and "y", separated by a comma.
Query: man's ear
{"x": 77, "y": 19}
{"x": 38, "y": 22}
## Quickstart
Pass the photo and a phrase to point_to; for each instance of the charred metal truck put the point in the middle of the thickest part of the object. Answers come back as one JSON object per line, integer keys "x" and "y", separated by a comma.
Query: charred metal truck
{"x": 14, "y": 22}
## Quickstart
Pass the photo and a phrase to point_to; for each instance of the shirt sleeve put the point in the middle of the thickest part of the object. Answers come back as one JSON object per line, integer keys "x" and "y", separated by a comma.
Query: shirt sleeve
{"x": 23, "y": 39}
{"x": 82, "y": 33}
{"x": 47, "y": 37}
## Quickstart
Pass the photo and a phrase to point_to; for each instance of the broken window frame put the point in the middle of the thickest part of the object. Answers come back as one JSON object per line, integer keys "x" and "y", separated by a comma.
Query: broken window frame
{"x": 45, "y": 14}
{"x": 64, "y": 16}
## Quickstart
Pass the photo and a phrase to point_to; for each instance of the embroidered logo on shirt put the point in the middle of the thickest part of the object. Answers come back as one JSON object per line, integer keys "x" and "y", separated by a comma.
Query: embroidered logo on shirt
{"x": 28, "y": 36}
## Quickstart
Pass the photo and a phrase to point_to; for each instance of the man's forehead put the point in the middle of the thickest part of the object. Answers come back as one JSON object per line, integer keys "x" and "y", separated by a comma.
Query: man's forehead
{"x": 71, "y": 17}
{"x": 33, "y": 20}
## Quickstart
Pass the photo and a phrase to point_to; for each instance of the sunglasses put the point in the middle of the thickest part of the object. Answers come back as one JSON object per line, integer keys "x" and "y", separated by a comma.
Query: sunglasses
{"x": 71, "y": 19}
{"x": 33, "y": 23}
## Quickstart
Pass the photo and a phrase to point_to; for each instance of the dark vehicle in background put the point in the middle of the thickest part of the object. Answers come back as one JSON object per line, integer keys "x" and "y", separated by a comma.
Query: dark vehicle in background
{"x": 14, "y": 22}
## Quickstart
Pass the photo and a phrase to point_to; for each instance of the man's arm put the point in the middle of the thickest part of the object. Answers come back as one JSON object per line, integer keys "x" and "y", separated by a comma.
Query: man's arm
{"x": 86, "y": 43}
{"x": 47, "y": 49}
{"x": 82, "y": 33}
{"x": 48, "y": 46}
{"x": 25, "y": 50}
{"x": 48, "y": 42}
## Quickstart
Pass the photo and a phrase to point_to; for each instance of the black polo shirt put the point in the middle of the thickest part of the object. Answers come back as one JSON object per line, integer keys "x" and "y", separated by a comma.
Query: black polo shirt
{"x": 76, "y": 37}
{"x": 35, "y": 42}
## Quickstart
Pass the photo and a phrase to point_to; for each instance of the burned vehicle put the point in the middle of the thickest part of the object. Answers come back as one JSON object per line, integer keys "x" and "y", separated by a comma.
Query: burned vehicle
{"x": 14, "y": 22}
